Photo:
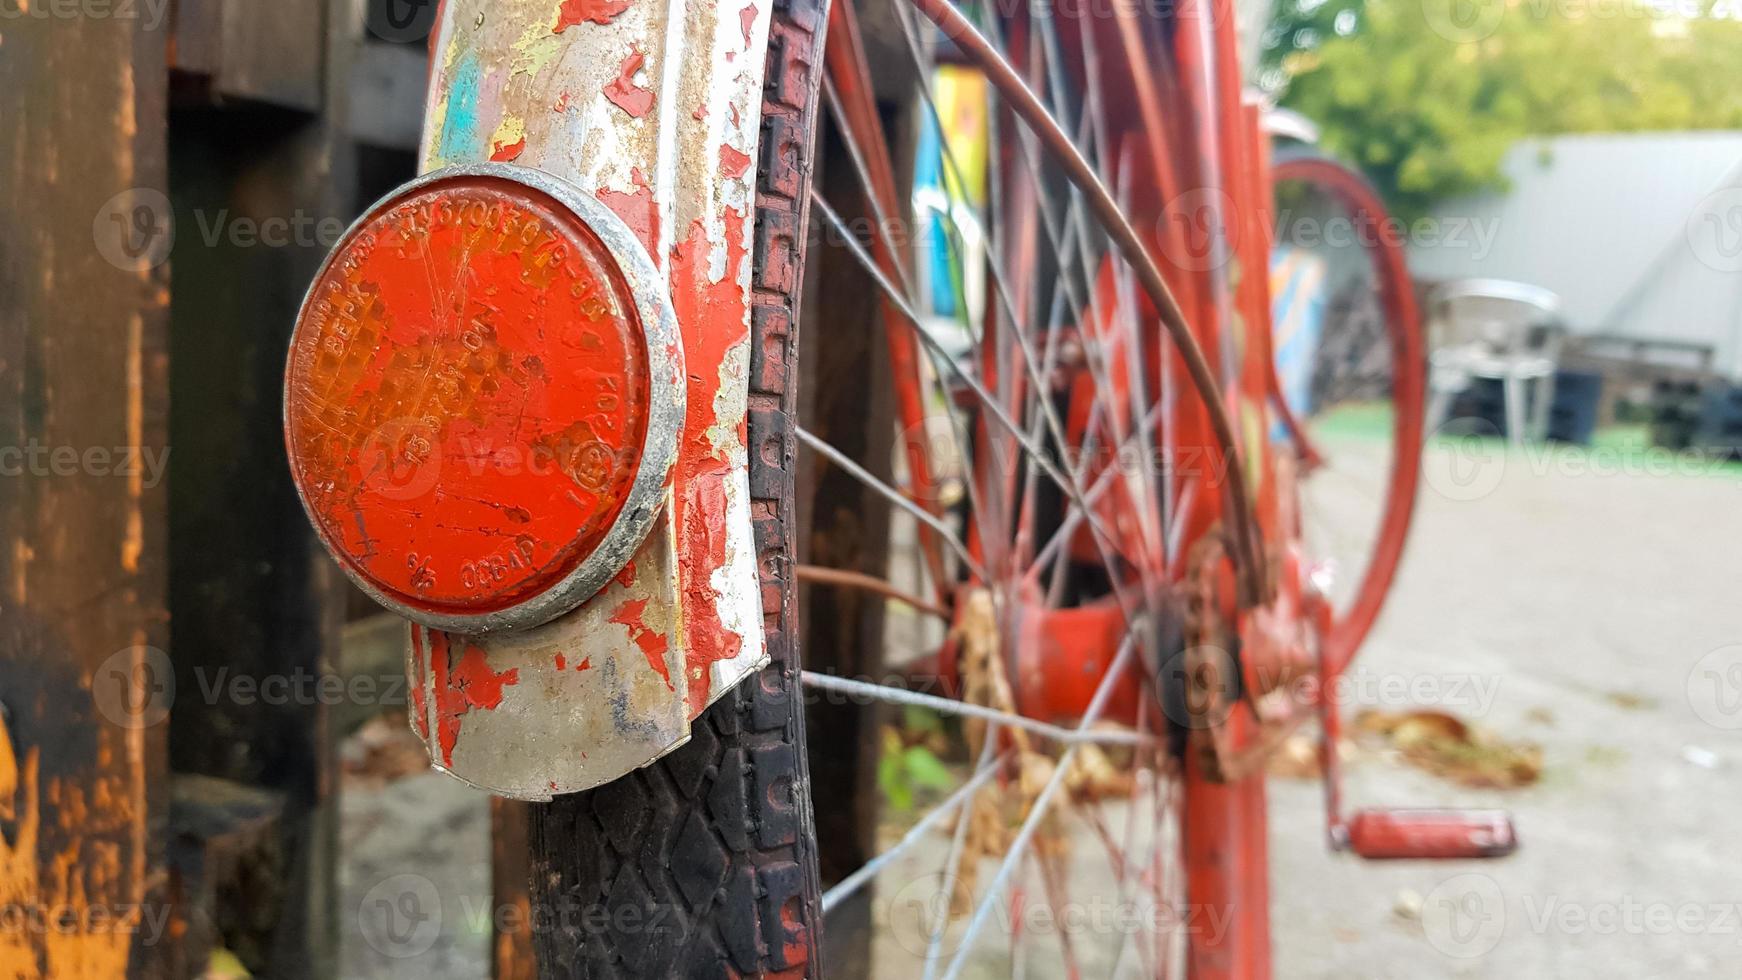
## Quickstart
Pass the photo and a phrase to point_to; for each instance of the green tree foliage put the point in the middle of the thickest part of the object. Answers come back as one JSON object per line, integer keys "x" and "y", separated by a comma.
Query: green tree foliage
{"x": 1427, "y": 95}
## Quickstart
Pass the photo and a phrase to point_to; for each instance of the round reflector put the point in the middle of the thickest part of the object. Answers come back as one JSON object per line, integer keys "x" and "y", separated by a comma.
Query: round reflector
{"x": 483, "y": 398}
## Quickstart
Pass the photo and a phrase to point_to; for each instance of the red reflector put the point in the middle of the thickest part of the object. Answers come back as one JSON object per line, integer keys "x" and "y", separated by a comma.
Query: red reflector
{"x": 468, "y": 399}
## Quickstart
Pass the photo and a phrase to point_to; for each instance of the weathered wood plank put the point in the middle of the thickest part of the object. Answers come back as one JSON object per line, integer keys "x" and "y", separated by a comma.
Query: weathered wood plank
{"x": 83, "y": 403}
{"x": 267, "y": 52}
{"x": 511, "y": 952}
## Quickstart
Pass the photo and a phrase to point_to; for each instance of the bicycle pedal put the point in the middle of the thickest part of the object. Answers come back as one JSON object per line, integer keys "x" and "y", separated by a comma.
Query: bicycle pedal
{"x": 1431, "y": 835}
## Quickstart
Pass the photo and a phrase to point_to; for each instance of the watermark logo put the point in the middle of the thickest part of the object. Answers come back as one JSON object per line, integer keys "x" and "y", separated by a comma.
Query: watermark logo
{"x": 1207, "y": 680}
{"x": 1200, "y": 230}
{"x": 1464, "y": 916}
{"x": 402, "y": 21}
{"x": 938, "y": 904}
{"x": 152, "y": 14}
{"x": 134, "y": 230}
{"x": 1464, "y": 21}
{"x": 920, "y": 908}
{"x": 1714, "y": 230}
{"x": 1365, "y": 229}
{"x": 399, "y": 460}
{"x": 1473, "y": 461}
{"x": 135, "y": 687}
{"x": 1715, "y": 688}
{"x": 147, "y": 464}
{"x": 401, "y": 916}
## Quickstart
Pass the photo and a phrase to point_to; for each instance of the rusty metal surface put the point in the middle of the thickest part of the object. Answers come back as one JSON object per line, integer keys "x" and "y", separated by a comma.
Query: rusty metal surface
{"x": 651, "y": 110}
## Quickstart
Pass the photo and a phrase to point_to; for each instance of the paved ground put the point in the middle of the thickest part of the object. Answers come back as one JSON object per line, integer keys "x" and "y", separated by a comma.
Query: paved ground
{"x": 1589, "y": 595}
{"x": 1581, "y": 601}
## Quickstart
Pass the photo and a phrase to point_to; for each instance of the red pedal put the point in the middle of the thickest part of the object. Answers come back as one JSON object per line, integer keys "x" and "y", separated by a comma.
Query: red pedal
{"x": 1430, "y": 835}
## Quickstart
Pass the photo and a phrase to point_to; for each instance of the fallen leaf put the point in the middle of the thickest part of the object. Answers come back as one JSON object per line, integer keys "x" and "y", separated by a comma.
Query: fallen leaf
{"x": 1297, "y": 758}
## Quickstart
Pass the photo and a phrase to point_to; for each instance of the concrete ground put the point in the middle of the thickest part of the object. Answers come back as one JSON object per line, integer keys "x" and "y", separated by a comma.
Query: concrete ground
{"x": 1584, "y": 601}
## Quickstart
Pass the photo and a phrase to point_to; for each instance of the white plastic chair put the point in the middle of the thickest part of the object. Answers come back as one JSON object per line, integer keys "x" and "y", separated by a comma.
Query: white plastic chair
{"x": 1493, "y": 328}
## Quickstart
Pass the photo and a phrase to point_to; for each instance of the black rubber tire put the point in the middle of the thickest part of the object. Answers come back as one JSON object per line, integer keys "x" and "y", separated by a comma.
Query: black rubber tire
{"x": 704, "y": 864}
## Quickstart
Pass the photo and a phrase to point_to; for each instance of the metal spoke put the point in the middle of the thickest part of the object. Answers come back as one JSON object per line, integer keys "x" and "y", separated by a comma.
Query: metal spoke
{"x": 856, "y": 154}
{"x": 869, "y": 583}
{"x": 972, "y": 43}
{"x": 930, "y": 341}
{"x": 896, "y": 695}
{"x": 1031, "y": 361}
{"x": 953, "y": 866}
{"x": 1042, "y": 804}
{"x": 845, "y": 888}
{"x": 894, "y": 496}
{"x": 1102, "y": 483}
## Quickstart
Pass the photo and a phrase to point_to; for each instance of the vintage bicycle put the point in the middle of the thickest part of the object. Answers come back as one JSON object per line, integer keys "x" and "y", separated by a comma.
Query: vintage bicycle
{"x": 546, "y": 402}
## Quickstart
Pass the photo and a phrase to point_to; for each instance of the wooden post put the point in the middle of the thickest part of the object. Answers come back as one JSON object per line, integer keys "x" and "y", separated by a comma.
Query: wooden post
{"x": 84, "y": 679}
{"x": 511, "y": 950}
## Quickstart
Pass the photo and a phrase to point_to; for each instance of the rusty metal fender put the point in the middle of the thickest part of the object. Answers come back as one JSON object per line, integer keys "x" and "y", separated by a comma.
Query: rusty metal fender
{"x": 652, "y": 109}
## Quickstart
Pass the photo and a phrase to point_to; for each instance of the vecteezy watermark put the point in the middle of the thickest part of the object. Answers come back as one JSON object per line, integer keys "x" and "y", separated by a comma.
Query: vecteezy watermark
{"x": 1715, "y": 688}
{"x": 33, "y": 459}
{"x": 1100, "y": 464}
{"x": 1469, "y": 21}
{"x": 1471, "y": 694}
{"x": 1463, "y": 21}
{"x": 136, "y": 688}
{"x": 404, "y": 458}
{"x": 1449, "y": 232}
{"x": 930, "y": 903}
{"x": 399, "y": 460}
{"x": 1201, "y": 229}
{"x": 401, "y": 917}
{"x": 148, "y": 921}
{"x": 405, "y": 915}
{"x": 401, "y": 21}
{"x": 1464, "y": 916}
{"x": 136, "y": 229}
{"x": 1469, "y": 459}
{"x": 1468, "y": 915}
{"x": 299, "y": 687}
{"x": 153, "y": 14}
{"x": 1714, "y": 230}
{"x": 296, "y": 230}
{"x": 1201, "y": 685}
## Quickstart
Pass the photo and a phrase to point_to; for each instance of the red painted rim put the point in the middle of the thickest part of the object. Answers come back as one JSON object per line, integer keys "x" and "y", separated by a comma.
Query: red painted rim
{"x": 1409, "y": 391}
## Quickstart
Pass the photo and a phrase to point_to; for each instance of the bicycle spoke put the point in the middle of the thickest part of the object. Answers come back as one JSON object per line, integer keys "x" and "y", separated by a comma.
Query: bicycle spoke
{"x": 952, "y": 706}
{"x": 867, "y": 583}
{"x": 1253, "y": 584}
{"x": 862, "y": 168}
{"x": 894, "y": 496}
{"x": 952, "y": 868}
{"x": 1031, "y": 363}
{"x": 956, "y": 801}
{"x": 1039, "y": 809}
{"x": 942, "y": 356}
{"x": 1072, "y": 368}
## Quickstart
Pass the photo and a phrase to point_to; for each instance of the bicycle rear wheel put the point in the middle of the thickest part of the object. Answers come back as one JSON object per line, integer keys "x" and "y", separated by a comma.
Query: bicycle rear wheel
{"x": 1071, "y": 455}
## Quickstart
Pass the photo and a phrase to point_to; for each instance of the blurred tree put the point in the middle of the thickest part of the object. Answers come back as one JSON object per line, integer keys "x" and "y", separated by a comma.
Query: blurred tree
{"x": 1427, "y": 95}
